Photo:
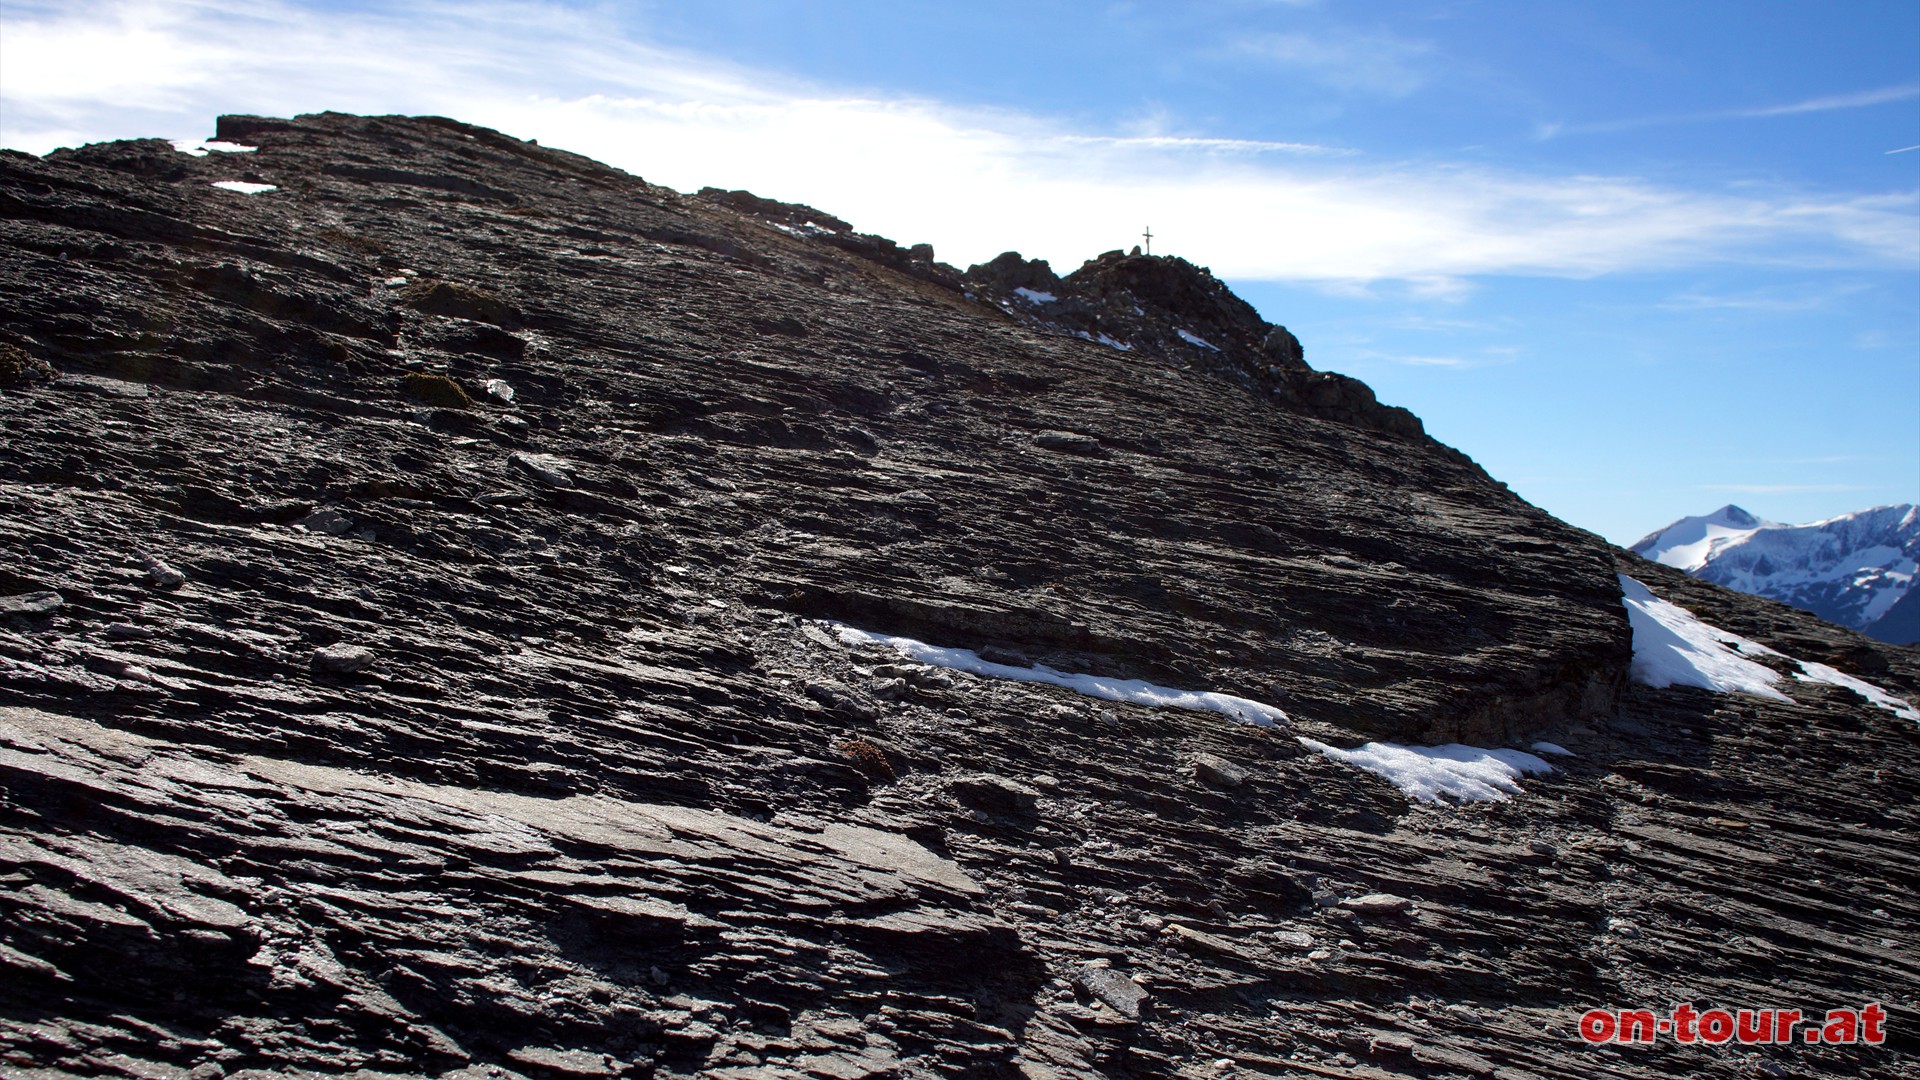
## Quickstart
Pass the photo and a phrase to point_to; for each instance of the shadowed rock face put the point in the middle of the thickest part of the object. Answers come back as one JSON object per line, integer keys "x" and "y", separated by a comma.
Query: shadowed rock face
{"x": 412, "y": 663}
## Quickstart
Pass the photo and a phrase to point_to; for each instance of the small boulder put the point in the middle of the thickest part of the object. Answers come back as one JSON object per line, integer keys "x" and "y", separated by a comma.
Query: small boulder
{"x": 342, "y": 659}
{"x": 1292, "y": 939}
{"x": 1121, "y": 994}
{"x": 1216, "y": 771}
{"x": 160, "y": 574}
{"x": 1378, "y": 904}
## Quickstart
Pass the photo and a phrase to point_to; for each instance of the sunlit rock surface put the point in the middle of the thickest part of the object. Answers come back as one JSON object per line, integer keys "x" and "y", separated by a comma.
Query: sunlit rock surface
{"x": 414, "y": 659}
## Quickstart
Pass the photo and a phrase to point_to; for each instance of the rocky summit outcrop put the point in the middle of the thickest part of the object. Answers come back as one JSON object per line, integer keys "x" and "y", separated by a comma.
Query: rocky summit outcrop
{"x": 1168, "y": 309}
{"x": 429, "y": 566}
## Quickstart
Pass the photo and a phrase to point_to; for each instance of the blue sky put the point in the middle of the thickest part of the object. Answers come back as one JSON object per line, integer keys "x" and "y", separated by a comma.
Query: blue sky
{"x": 1638, "y": 259}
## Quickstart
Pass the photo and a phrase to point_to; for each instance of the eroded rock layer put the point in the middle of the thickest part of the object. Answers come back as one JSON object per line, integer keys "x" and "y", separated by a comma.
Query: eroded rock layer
{"x": 411, "y": 633}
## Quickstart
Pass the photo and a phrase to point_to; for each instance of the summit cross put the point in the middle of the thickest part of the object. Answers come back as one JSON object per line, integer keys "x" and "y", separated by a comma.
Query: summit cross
{"x": 1148, "y": 237}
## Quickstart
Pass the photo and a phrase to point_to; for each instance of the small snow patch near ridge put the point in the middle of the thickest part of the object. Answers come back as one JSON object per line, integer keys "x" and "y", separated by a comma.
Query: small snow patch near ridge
{"x": 244, "y": 187}
{"x": 1821, "y": 673}
{"x": 1426, "y": 773}
{"x": 1192, "y": 338}
{"x": 1104, "y": 340}
{"x": 196, "y": 148}
{"x": 1671, "y": 647}
{"x": 1134, "y": 691}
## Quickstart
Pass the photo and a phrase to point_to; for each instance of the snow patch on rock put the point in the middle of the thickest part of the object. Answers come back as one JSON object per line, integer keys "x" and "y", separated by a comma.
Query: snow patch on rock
{"x": 1427, "y": 773}
{"x": 1672, "y": 647}
{"x": 1131, "y": 691}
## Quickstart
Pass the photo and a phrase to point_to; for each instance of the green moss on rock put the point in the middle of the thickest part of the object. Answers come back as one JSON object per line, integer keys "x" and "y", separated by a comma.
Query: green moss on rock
{"x": 436, "y": 390}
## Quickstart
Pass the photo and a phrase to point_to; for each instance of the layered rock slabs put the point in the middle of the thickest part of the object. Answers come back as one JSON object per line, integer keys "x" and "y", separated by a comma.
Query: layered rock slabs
{"x": 802, "y": 426}
{"x": 405, "y": 910}
{"x": 414, "y": 568}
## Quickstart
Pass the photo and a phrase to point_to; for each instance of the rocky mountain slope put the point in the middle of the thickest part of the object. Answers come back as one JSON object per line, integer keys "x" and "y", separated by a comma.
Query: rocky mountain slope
{"x": 430, "y": 635}
{"x": 1857, "y": 569}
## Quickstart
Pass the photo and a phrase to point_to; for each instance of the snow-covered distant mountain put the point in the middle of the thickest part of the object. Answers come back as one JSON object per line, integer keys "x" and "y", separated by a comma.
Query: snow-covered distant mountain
{"x": 1856, "y": 570}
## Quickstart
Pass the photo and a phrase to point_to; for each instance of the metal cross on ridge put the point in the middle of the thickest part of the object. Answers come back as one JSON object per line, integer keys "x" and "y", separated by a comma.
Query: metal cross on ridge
{"x": 1148, "y": 237}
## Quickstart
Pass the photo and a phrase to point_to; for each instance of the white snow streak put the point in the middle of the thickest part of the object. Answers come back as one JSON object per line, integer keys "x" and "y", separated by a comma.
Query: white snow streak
{"x": 197, "y": 148}
{"x": 1426, "y": 773}
{"x": 243, "y": 187}
{"x": 1192, "y": 338}
{"x": 1133, "y": 691}
{"x": 1821, "y": 673}
{"x": 1671, "y": 647}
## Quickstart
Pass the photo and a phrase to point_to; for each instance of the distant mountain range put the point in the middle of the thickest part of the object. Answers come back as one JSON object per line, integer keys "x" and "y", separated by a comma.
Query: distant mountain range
{"x": 1856, "y": 569}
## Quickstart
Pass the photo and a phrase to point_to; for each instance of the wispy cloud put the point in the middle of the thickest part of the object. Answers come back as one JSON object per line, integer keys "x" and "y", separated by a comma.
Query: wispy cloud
{"x": 972, "y": 181}
{"x": 1882, "y": 96}
{"x": 1776, "y": 301}
{"x": 1784, "y": 489}
{"x": 1195, "y": 142}
{"x": 1864, "y": 98}
{"x": 1488, "y": 357}
{"x": 1375, "y": 64}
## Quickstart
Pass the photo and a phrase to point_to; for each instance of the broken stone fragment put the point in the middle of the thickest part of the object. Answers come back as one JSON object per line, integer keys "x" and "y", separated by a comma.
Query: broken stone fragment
{"x": 837, "y": 699}
{"x": 994, "y": 794}
{"x": 1390, "y": 1045}
{"x": 564, "y": 1062}
{"x": 1067, "y": 442}
{"x": 327, "y": 521}
{"x": 160, "y": 574}
{"x": 342, "y": 659}
{"x": 545, "y": 468}
{"x": 33, "y": 603}
{"x": 1200, "y": 941}
{"x": 1216, "y": 771}
{"x": 1378, "y": 904}
{"x": 1119, "y": 993}
{"x": 1292, "y": 939}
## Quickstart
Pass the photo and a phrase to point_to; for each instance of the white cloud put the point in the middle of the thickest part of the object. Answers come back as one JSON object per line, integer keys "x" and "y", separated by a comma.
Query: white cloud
{"x": 971, "y": 181}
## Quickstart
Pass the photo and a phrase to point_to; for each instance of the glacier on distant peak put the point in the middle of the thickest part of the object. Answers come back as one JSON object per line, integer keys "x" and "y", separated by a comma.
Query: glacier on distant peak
{"x": 1857, "y": 569}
